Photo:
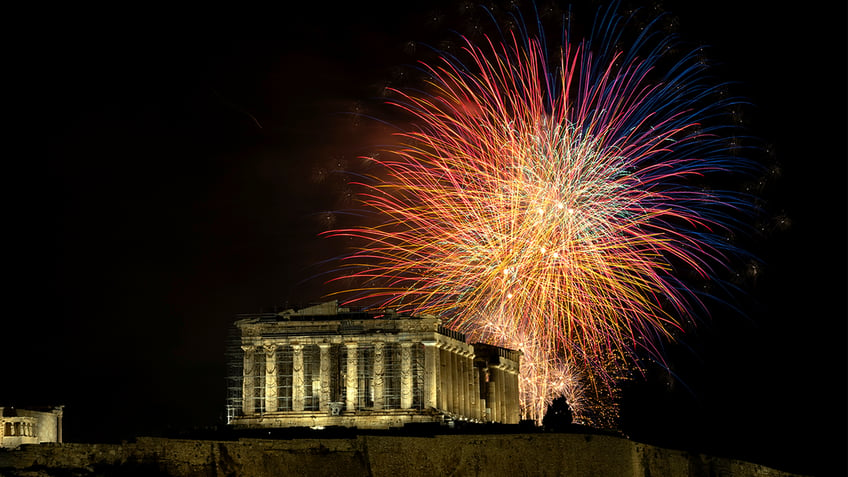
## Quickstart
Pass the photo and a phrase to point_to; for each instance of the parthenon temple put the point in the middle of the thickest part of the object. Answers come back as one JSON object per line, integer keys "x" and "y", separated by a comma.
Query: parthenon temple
{"x": 327, "y": 365}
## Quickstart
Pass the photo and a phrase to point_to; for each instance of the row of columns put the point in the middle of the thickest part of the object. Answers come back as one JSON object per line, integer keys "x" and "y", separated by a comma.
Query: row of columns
{"x": 18, "y": 428}
{"x": 379, "y": 368}
{"x": 457, "y": 394}
{"x": 270, "y": 390}
{"x": 502, "y": 394}
{"x": 451, "y": 382}
{"x": 298, "y": 382}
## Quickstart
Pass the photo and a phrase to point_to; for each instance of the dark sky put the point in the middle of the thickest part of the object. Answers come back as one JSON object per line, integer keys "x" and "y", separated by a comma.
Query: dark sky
{"x": 165, "y": 171}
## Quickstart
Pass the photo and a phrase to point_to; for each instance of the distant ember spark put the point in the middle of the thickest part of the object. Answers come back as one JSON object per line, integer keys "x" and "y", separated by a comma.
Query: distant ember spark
{"x": 559, "y": 198}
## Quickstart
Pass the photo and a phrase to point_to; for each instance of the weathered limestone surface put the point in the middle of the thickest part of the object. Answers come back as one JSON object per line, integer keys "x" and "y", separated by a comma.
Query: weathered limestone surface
{"x": 365, "y": 369}
{"x": 392, "y": 456}
{"x": 28, "y": 426}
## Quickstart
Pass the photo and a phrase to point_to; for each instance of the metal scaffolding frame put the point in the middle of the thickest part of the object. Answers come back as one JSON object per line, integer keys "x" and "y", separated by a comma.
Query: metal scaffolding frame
{"x": 311, "y": 377}
{"x": 285, "y": 378}
{"x": 234, "y": 378}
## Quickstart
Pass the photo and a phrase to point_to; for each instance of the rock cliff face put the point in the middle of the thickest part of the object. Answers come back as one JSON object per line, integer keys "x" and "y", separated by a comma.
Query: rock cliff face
{"x": 462, "y": 455}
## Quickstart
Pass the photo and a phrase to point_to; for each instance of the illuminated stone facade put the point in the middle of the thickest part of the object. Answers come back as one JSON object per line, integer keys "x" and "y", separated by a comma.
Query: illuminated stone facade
{"x": 331, "y": 366}
{"x": 25, "y": 426}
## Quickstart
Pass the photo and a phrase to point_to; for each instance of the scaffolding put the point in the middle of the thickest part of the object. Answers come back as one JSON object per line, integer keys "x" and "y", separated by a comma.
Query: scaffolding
{"x": 234, "y": 377}
{"x": 366, "y": 377}
{"x": 311, "y": 378}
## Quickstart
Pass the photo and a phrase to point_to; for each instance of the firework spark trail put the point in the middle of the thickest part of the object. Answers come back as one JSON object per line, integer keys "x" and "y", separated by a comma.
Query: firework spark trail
{"x": 545, "y": 375}
{"x": 562, "y": 195}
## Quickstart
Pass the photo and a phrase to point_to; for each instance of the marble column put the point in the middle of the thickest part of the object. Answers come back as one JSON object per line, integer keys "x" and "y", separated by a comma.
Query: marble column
{"x": 507, "y": 396}
{"x": 298, "y": 391}
{"x": 491, "y": 395}
{"x": 502, "y": 395}
{"x": 351, "y": 382}
{"x": 431, "y": 374}
{"x": 516, "y": 396}
{"x": 324, "y": 376}
{"x": 379, "y": 375}
{"x": 456, "y": 383}
{"x": 444, "y": 374}
{"x": 450, "y": 391}
{"x": 247, "y": 387}
{"x": 460, "y": 382}
{"x": 405, "y": 375}
{"x": 270, "y": 378}
{"x": 479, "y": 408}
{"x": 495, "y": 382}
{"x": 466, "y": 385}
{"x": 59, "y": 415}
{"x": 510, "y": 413}
{"x": 514, "y": 403}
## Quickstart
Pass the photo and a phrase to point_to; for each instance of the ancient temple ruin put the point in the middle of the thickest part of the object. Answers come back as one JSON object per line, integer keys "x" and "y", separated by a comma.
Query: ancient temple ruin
{"x": 30, "y": 426}
{"x": 328, "y": 365}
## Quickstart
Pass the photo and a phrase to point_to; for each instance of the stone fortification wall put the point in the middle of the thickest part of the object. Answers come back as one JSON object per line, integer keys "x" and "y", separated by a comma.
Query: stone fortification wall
{"x": 519, "y": 454}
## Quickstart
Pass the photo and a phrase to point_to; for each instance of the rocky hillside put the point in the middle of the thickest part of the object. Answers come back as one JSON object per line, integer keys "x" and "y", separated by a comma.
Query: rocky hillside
{"x": 392, "y": 456}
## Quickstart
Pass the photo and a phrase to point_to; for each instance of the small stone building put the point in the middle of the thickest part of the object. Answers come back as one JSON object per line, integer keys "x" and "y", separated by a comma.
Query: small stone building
{"x": 333, "y": 366}
{"x": 28, "y": 426}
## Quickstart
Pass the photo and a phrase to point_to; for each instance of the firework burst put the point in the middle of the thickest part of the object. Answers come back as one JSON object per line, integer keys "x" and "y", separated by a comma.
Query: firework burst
{"x": 545, "y": 374}
{"x": 554, "y": 203}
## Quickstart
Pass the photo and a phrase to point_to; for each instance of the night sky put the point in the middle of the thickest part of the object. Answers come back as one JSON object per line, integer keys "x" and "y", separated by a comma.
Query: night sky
{"x": 170, "y": 168}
